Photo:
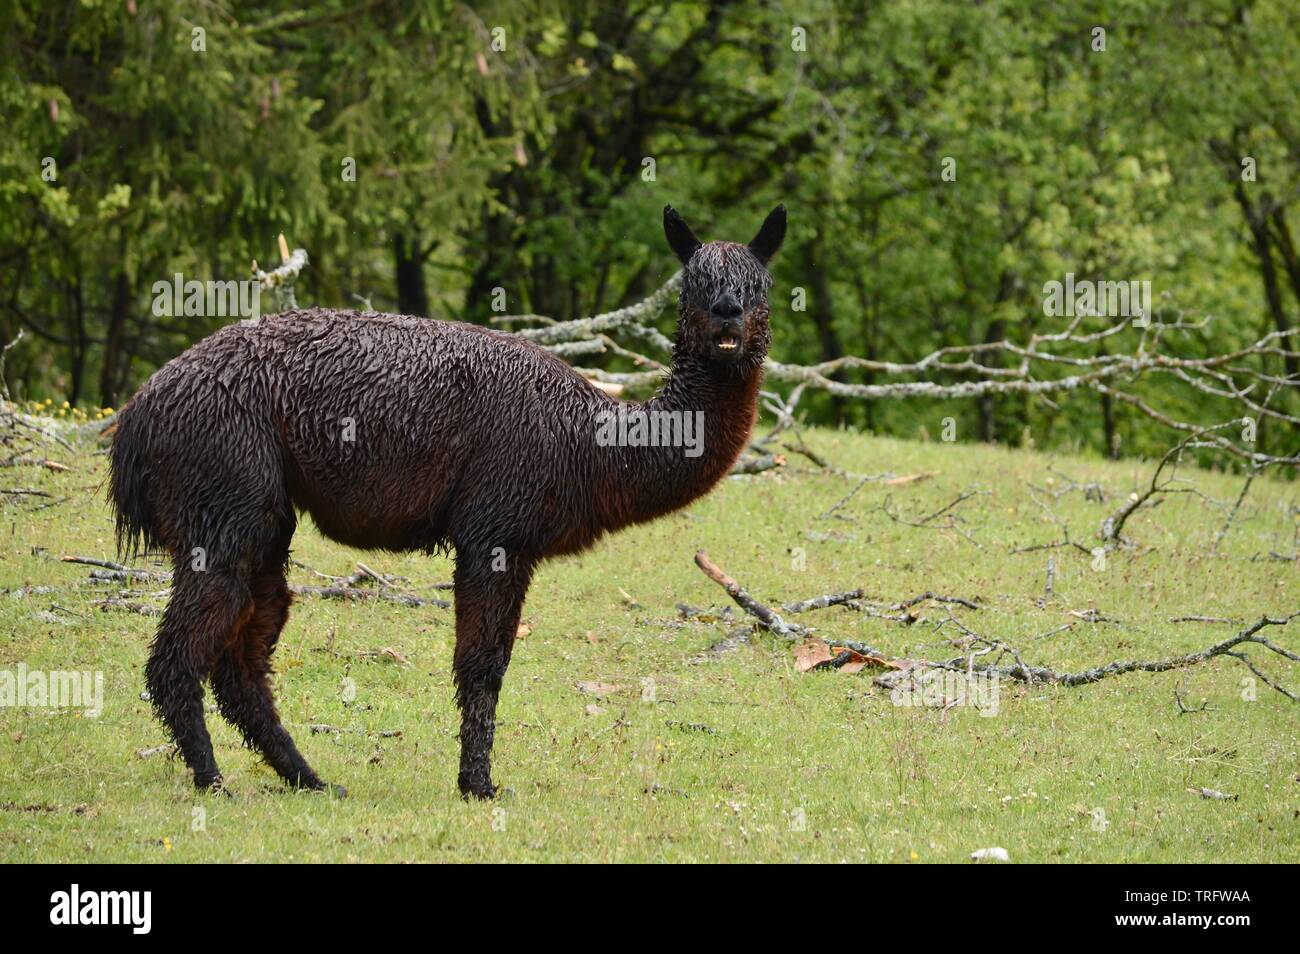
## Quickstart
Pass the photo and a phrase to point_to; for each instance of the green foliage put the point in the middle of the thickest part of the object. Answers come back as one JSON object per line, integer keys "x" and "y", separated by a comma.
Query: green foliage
{"x": 941, "y": 163}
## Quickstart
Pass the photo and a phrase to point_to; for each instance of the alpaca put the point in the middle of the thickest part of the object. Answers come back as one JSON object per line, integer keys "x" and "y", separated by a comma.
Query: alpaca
{"x": 401, "y": 433}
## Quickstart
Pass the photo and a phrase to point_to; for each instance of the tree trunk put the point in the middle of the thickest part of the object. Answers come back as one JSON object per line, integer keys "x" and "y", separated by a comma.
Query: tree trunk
{"x": 1267, "y": 267}
{"x": 80, "y": 341}
{"x": 412, "y": 293}
{"x": 119, "y": 309}
{"x": 823, "y": 313}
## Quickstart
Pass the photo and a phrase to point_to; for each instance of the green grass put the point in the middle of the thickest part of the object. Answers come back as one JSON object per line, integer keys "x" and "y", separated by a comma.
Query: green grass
{"x": 634, "y": 781}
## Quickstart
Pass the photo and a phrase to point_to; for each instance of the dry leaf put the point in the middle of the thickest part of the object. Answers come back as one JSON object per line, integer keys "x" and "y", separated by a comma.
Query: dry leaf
{"x": 860, "y": 661}
{"x": 811, "y": 652}
{"x": 523, "y": 631}
{"x": 601, "y": 689}
{"x": 593, "y": 709}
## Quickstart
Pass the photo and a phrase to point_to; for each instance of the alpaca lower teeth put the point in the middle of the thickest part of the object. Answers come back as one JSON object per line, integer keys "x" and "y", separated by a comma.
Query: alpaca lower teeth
{"x": 727, "y": 345}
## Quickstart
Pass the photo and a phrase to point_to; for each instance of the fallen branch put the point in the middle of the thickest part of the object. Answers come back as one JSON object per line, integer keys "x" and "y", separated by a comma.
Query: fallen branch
{"x": 1021, "y": 672}
{"x": 757, "y": 464}
{"x": 930, "y": 595}
{"x": 1057, "y": 363}
{"x": 765, "y": 615}
{"x": 358, "y": 594}
{"x": 925, "y": 522}
{"x": 831, "y": 511}
{"x": 47, "y": 463}
{"x": 142, "y": 609}
{"x": 348, "y": 590}
{"x": 117, "y": 572}
{"x": 281, "y": 280}
{"x": 1112, "y": 528}
{"x": 821, "y": 602}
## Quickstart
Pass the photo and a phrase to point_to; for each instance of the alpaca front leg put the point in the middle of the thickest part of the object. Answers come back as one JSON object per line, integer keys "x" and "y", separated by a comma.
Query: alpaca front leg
{"x": 478, "y": 705}
{"x": 488, "y": 604}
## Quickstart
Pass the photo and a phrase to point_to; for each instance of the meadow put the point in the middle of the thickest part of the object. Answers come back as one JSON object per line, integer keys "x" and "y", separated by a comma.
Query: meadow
{"x": 626, "y": 733}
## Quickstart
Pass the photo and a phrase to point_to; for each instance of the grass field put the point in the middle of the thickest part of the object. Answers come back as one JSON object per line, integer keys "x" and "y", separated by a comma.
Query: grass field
{"x": 739, "y": 757}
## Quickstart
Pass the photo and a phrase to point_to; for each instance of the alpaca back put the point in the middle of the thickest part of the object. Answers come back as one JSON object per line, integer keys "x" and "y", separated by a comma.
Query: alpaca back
{"x": 392, "y": 432}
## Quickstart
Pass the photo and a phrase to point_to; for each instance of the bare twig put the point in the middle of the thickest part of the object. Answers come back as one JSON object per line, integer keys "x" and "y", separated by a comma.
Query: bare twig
{"x": 765, "y": 615}
{"x": 927, "y": 522}
{"x": 358, "y": 594}
{"x": 832, "y": 510}
{"x": 1232, "y": 515}
{"x": 821, "y": 602}
{"x": 1112, "y": 528}
{"x": 117, "y": 572}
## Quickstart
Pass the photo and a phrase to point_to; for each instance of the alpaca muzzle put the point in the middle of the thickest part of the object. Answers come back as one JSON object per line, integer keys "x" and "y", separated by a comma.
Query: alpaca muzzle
{"x": 727, "y": 327}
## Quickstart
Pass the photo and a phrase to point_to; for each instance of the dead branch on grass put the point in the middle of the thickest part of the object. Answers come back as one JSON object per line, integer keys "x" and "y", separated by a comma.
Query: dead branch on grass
{"x": 346, "y": 588}
{"x": 926, "y": 522}
{"x": 1019, "y": 671}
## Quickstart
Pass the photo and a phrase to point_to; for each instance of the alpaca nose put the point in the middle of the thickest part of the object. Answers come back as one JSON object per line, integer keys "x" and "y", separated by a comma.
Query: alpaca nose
{"x": 726, "y": 308}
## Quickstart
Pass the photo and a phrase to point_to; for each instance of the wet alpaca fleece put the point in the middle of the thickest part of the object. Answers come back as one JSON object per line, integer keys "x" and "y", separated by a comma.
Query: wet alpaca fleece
{"x": 399, "y": 433}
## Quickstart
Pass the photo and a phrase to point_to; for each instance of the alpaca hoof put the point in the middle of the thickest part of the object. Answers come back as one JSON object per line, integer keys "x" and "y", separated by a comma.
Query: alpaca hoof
{"x": 482, "y": 790}
{"x": 216, "y": 786}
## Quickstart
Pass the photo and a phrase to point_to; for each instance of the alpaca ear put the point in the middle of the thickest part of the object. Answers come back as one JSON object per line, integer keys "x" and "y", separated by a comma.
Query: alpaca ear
{"x": 680, "y": 237}
{"x": 770, "y": 236}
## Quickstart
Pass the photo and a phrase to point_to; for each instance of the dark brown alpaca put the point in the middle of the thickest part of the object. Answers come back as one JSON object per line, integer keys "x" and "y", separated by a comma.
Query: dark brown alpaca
{"x": 402, "y": 433}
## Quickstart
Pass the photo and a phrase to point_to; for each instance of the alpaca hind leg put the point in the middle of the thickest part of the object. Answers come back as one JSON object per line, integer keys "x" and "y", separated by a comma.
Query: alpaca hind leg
{"x": 204, "y": 610}
{"x": 488, "y": 605}
{"x": 241, "y": 682}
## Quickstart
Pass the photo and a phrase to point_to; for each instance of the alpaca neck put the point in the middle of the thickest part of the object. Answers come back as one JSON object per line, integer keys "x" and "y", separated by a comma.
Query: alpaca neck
{"x": 712, "y": 414}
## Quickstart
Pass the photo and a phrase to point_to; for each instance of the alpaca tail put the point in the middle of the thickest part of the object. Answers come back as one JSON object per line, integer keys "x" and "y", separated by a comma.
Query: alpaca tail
{"x": 128, "y": 488}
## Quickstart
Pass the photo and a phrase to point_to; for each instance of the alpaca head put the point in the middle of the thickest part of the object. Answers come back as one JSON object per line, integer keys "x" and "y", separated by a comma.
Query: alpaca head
{"x": 722, "y": 313}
